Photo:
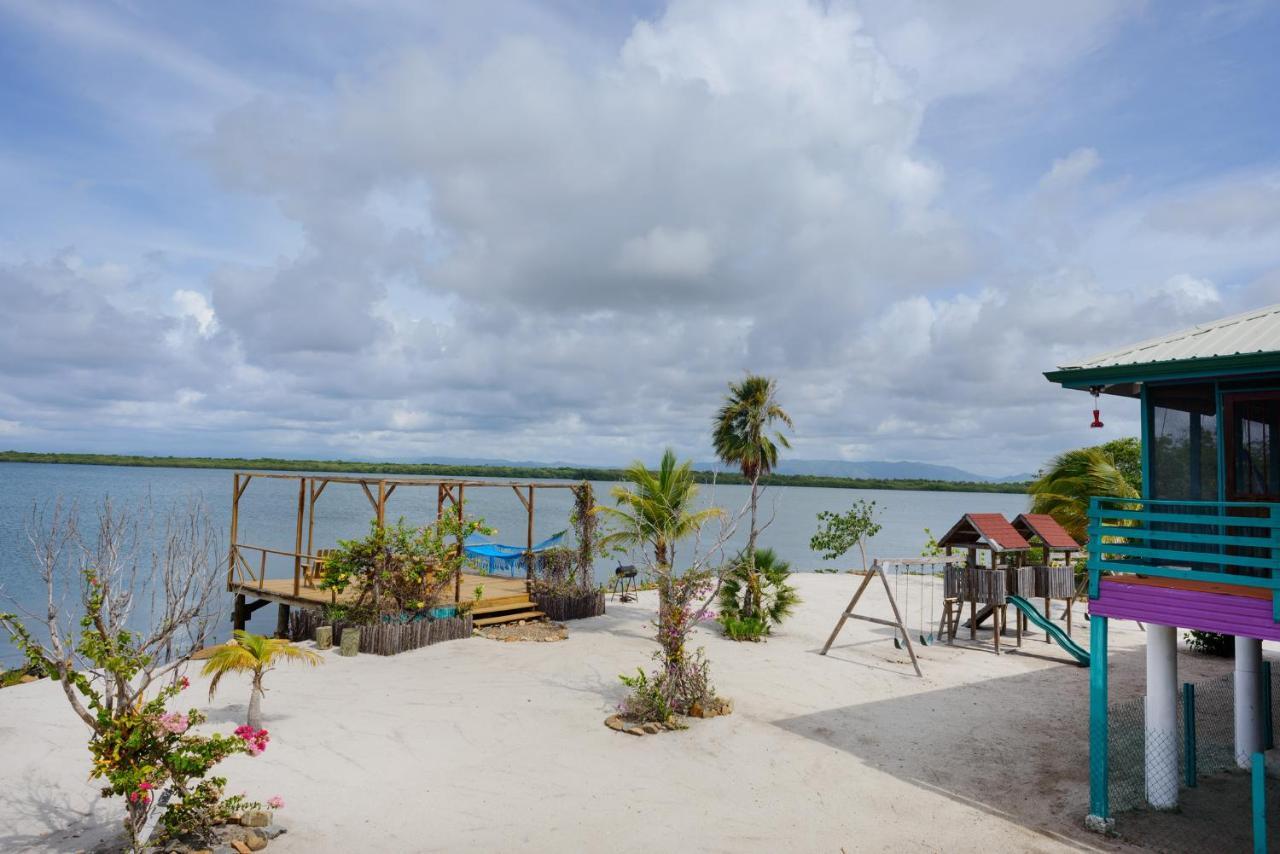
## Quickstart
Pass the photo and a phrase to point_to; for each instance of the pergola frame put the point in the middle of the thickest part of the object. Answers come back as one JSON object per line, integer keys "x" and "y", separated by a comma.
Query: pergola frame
{"x": 377, "y": 490}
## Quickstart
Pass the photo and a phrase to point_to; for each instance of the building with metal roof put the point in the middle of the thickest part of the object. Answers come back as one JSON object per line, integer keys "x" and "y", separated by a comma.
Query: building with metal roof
{"x": 1237, "y": 345}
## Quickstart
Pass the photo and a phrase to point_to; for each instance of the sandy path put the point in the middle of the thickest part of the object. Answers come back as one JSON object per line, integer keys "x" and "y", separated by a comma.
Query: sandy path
{"x": 500, "y": 747}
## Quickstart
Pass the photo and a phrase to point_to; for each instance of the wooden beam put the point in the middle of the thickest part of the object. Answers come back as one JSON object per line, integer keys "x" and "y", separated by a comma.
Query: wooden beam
{"x": 516, "y": 489}
{"x": 282, "y": 620}
{"x": 528, "y": 560}
{"x": 457, "y": 577}
{"x": 236, "y": 492}
{"x": 243, "y": 484}
{"x": 367, "y": 494}
{"x": 382, "y": 502}
{"x": 297, "y": 538}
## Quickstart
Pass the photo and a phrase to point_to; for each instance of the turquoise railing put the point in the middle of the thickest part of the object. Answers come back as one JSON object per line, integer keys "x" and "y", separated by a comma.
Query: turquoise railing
{"x": 1225, "y": 542}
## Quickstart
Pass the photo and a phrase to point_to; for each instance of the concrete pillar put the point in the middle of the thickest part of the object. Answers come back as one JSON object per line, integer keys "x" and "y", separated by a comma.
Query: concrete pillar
{"x": 1162, "y": 717}
{"x": 1248, "y": 718}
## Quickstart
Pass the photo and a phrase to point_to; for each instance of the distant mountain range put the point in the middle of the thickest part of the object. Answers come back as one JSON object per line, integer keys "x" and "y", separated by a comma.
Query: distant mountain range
{"x": 900, "y": 470}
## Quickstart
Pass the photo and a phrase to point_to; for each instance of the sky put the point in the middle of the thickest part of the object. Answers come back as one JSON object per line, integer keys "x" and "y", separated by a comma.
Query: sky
{"x": 557, "y": 230}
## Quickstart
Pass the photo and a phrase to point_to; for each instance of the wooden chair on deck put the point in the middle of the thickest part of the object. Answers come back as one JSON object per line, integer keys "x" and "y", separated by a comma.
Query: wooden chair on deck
{"x": 311, "y": 571}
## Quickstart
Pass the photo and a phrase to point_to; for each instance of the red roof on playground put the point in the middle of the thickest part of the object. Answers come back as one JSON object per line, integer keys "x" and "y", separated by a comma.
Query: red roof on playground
{"x": 1047, "y": 529}
{"x": 985, "y": 530}
{"x": 996, "y": 528}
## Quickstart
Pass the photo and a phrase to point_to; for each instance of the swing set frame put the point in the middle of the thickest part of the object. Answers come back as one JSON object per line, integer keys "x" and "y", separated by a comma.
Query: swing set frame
{"x": 877, "y": 569}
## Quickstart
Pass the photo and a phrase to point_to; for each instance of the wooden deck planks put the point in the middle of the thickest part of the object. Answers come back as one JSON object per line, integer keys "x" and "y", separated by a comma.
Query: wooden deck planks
{"x": 495, "y": 587}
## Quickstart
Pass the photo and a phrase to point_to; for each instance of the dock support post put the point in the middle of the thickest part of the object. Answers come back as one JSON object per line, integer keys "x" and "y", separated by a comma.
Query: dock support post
{"x": 238, "y": 613}
{"x": 1099, "y": 818}
{"x": 1248, "y": 720}
{"x": 282, "y": 621}
{"x": 1162, "y": 717}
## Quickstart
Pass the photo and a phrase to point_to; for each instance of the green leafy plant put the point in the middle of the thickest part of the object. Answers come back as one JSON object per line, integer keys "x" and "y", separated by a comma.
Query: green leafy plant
{"x": 656, "y": 509}
{"x": 117, "y": 673}
{"x": 398, "y": 568}
{"x": 1076, "y": 476}
{"x": 776, "y": 601}
{"x": 743, "y": 434}
{"x": 1211, "y": 643}
{"x": 257, "y": 656}
{"x": 839, "y": 532}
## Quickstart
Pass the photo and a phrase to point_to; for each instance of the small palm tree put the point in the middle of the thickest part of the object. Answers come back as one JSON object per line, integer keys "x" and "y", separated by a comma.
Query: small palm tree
{"x": 1072, "y": 479}
{"x": 255, "y": 654}
{"x": 777, "y": 601}
{"x": 657, "y": 510}
{"x": 743, "y": 435}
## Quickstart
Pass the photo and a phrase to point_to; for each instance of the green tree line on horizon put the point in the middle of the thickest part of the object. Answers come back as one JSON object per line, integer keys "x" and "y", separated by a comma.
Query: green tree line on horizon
{"x": 468, "y": 470}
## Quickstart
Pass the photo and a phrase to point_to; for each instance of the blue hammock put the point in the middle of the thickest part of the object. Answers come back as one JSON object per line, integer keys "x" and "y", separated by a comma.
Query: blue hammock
{"x": 505, "y": 560}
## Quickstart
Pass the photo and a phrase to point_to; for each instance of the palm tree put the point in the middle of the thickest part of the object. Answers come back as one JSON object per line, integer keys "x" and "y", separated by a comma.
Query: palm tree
{"x": 256, "y": 654}
{"x": 657, "y": 510}
{"x": 778, "y": 599}
{"x": 743, "y": 435}
{"x": 1072, "y": 479}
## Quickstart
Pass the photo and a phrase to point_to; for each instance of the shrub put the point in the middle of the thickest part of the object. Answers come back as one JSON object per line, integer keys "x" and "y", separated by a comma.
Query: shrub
{"x": 397, "y": 568}
{"x": 773, "y": 601}
{"x": 1211, "y": 643}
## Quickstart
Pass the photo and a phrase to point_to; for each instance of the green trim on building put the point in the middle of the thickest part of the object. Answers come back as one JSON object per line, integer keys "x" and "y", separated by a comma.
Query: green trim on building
{"x": 1216, "y": 367}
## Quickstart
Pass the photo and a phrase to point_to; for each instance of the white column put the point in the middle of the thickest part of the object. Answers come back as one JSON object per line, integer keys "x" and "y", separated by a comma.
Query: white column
{"x": 1162, "y": 716}
{"x": 1248, "y": 717}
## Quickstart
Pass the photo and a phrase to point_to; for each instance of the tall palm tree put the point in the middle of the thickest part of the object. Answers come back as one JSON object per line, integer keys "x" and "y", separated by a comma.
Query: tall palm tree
{"x": 744, "y": 435}
{"x": 1072, "y": 479}
{"x": 657, "y": 510}
{"x": 255, "y": 654}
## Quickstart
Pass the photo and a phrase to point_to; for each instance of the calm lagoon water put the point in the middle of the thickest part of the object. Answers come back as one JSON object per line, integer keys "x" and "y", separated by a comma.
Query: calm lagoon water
{"x": 267, "y": 515}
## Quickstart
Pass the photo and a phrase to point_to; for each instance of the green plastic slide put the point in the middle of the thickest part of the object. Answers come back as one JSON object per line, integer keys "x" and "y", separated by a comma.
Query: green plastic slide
{"x": 1064, "y": 640}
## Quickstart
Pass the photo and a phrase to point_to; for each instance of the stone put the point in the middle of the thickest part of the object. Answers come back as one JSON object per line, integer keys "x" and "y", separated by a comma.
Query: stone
{"x": 634, "y": 730}
{"x": 274, "y": 830}
{"x": 324, "y": 637}
{"x": 255, "y": 841}
{"x": 614, "y": 722}
{"x": 350, "y": 644}
{"x": 255, "y": 818}
{"x": 696, "y": 711}
{"x": 240, "y": 847}
{"x": 652, "y": 728}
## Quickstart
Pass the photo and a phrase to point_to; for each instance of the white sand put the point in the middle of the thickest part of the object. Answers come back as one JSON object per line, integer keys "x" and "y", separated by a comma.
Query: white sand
{"x": 501, "y": 747}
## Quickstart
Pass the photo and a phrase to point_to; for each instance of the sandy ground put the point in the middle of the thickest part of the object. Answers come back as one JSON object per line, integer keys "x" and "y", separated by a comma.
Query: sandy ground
{"x": 496, "y": 746}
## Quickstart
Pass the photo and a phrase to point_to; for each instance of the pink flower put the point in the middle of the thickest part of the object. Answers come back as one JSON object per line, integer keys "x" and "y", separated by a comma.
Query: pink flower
{"x": 275, "y": 802}
{"x": 255, "y": 739}
{"x": 175, "y": 722}
{"x": 185, "y": 683}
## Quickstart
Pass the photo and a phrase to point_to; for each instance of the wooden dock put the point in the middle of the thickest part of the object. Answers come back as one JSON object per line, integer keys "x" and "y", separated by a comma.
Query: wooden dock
{"x": 502, "y": 599}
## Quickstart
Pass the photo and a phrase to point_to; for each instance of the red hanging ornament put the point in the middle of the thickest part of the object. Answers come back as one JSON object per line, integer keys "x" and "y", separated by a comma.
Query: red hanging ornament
{"x": 1097, "y": 420}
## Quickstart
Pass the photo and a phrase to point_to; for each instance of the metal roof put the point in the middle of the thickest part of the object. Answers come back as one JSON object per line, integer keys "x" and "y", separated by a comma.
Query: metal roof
{"x": 1256, "y": 331}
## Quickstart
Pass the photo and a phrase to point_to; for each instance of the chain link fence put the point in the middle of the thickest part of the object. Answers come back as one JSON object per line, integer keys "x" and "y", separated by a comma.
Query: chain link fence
{"x": 1212, "y": 794}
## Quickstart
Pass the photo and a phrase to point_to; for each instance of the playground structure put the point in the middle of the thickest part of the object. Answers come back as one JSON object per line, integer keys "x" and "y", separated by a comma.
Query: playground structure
{"x": 1005, "y": 580}
{"x": 902, "y": 635}
{"x": 1199, "y": 549}
{"x": 1052, "y": 582}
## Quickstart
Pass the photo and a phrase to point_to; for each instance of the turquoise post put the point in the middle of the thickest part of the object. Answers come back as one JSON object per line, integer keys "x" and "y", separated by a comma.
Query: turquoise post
{"x": 1264, "y": 707}
{"x": 1099, "y": 802}
{"x": 1189, "y": 734}
{"x": 1259, "y": 804}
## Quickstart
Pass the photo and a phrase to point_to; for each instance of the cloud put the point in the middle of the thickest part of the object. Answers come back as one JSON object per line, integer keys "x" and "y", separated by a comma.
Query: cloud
{"x": 1246, "y": 206}
{"x": 1068, "y": 172}
{"x": 562, "y": 240}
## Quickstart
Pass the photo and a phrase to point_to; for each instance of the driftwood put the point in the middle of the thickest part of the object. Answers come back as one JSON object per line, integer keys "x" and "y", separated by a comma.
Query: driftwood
{"x": 384, "y": 638}
{"x": 570, "y": 606}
